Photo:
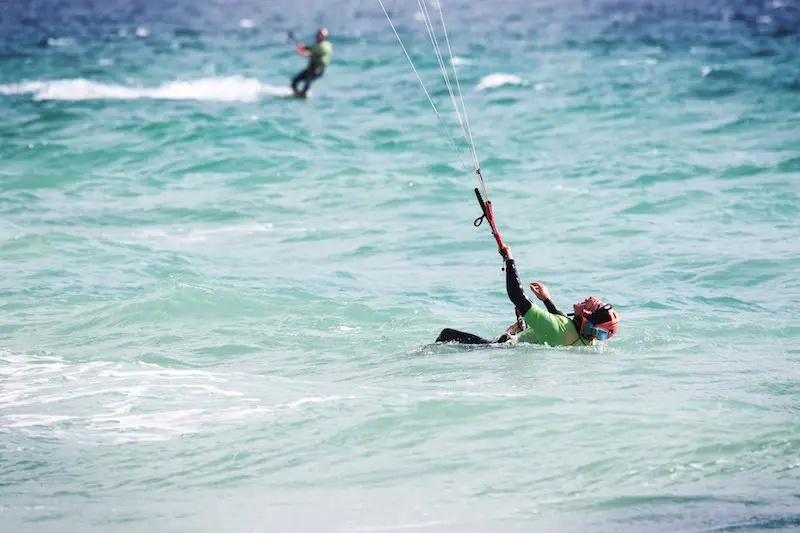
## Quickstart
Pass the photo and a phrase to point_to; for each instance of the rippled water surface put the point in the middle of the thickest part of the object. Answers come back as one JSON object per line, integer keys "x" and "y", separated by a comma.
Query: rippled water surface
{"x": 217, "y": 304}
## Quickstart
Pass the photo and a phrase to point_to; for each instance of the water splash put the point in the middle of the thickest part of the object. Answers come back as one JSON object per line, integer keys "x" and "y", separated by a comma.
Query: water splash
{"x": 224, "y": 89}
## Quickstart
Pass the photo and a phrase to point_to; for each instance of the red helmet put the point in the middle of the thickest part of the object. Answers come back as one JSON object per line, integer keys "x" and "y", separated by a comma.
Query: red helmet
{"x": 596, "y": 319}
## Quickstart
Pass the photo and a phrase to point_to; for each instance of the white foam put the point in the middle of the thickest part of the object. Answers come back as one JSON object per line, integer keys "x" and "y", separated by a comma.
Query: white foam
{"x": 224, "y": 89}
{"x": 69, "y": 90}
{"x": 203, "y": 389}
{"x": 157, "y": 426}
{"x": 460, "y": 61}
{"x": 203, "y": 234}
{"x": 415, "y": 525}
{"x": 60, "y": 42}
{"x": 577, "y": 190}
{"x": 142, "y": 32}
{"x": 41, "y": 394}
{"x": 633, "y": 62}
{"x": 246, "y": 24}
{"x": 11, "y": 357}
{"x": 31, "y": 420}
{"x": 316, "y": 399}
{"x": 494, "y": 81}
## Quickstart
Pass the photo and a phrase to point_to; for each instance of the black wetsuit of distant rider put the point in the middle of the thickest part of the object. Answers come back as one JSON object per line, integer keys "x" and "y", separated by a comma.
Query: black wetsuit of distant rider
{"x": 517, "y": 296}
{"x": 309, "y": 74}
{"x": 319, "y": 56}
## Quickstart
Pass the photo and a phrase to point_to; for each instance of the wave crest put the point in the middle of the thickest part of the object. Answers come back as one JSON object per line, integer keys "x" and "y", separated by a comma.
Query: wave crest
{"x": 494, "y": 81}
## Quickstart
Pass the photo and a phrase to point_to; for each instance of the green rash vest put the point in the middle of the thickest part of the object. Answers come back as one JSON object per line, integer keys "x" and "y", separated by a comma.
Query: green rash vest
{"x": 321, "y": 53}
{"x": 549, "y": 328}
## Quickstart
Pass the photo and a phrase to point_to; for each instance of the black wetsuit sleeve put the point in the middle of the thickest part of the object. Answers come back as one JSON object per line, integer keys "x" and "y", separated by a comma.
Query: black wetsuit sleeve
{"x": 551, "y": 307}
{"x": 514, "y": 288}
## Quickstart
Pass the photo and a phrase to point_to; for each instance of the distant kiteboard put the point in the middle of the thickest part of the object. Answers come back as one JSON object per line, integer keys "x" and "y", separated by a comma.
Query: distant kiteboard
{"x": 299, "y": 96}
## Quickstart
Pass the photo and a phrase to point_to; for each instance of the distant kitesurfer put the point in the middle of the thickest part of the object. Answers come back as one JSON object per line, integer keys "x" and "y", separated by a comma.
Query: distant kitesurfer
{"x": 593, "y": 319}
{"x": 319, "y": 56}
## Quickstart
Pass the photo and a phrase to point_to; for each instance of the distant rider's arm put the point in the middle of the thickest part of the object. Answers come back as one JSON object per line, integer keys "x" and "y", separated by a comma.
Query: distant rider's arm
{"x": 513, "y": 286}
{"x": 303, "y": 50}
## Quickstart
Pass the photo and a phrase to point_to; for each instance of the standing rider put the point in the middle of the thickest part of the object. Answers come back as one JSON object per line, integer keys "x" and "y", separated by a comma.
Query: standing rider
{"x": 319, "y": 56}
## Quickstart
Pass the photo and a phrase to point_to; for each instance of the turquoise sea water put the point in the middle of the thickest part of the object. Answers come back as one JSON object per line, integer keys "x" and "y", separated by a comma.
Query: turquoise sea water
{"x": 217, "y": 304}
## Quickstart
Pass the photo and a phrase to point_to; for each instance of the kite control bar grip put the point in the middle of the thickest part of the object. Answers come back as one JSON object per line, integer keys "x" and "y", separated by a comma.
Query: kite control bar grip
{"x": 486, "y": 208}
{"x": 479, "y": 220}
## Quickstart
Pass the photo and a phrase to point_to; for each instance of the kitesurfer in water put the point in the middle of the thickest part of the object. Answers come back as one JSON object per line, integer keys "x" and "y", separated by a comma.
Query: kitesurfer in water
{"x": 592, "y": 320}
{"x": 319, "y": 55}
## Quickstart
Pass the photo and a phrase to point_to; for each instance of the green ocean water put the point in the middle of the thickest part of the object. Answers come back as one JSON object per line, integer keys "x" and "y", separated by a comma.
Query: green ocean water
{"x": 217, "y": 304}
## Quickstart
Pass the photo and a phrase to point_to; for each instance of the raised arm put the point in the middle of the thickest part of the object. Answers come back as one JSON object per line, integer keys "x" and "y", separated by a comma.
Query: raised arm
{"x": 515, "y": 292}
{"x": 513, "y": 286}
{"x": 543, "y": 295}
